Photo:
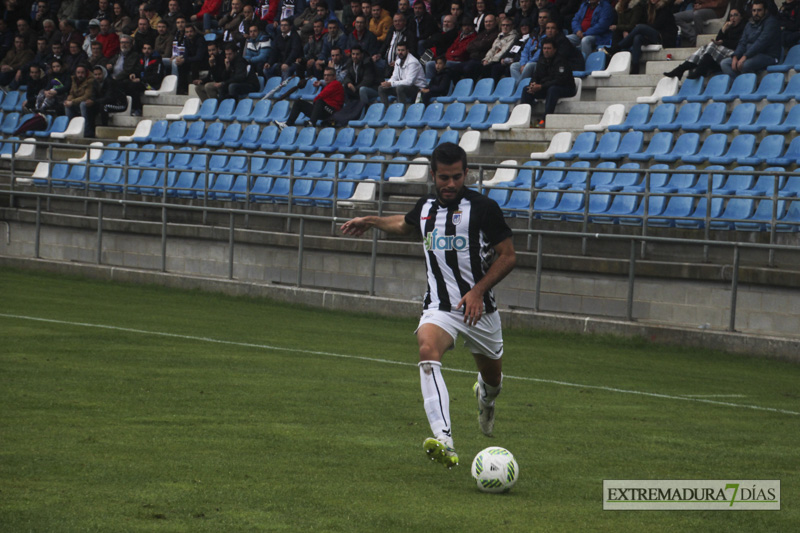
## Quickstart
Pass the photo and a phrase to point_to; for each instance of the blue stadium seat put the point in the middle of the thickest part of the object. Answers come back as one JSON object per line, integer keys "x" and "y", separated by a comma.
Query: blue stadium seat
{"x": 771, "y": 115}
{"x": 662, "y": 115}
{"x": 425, "y": 143}
{"x": 306, "y": 92}
{"x": 497, "y": 115}
{"x": 157, "y": 130}
{"x": 741, "y": 115}
{"x": 742, "y": 85}
{"x": 686, "y": 144}
{"x": 577, "y": 175}
{"x": 365, "y": 138}
{"x": 791, "y": 61}
{"x": 449, "y": 136}
{"x": 736, "y": 182}
{"x": 688, "y": 114}
{"x": 383, "y": 142}
{"x": 224, "y": 111}
{"x": 222, "y": 187}
{"x": 393, "y": 114}
{"x": 182, "y": 185}
{"x": 552, "y": 176}
{"x": 789, "y": 222}
{"x": 604, "y": 176}
{"x": 433, "y": 112}
{"x": 517, "y": 96}
{"x": 324, "y": 140}
{"x": 249, "y": 136}
{"x": 713, "y": 146}
{"x": 476, "y": 116}
{"x": 697, "y": 219}
{"x": 454, "y": 113}
{"x": 482, "y": 89}
{"x": 607, "y": 145}
{"x": 769, "y": 147}
{"x": 761, "y": 220}
{"x": 688, "y": 88}
{"x": 260, "y": 112}
{"x": 232, "y": 135}
{"x": 278, "y": 112}
{"x": 677, "y": 181}
{"x": 741, "y": 145}
{"x": 584, "y": 143}
{"x": 598, "y": 204}
{"x": 652, "y": 206}
{"x": 716, "y": 86}
{"x": 270, "y": 84}
{"x": 354, "y": 169}
{"x": 789, "y": 92}
{"x": 344, "y": 139}
{"x": 504, "y": 89}
{"x": 461, "y": 89}
{"x": 631, "y": 143}
{"x": 765, "y": 184}
{"x": 305, "y": 138}
{"x": 790, "y": 157}
{"x": 56, "y": 124}
{"x": 206, "y": 112}
{"x": 243, "y": 111}
{"x": 677, "y": 206}
{"x": 621, "y": 205}
{"x": 595, "y": 61}
{"x": 405, "y": 140}
{"x": 790, "y": 123}
{"x": 735, "y": 209}
{"x": 173, "y": 134}
{"x": 267, "y": 136}
{"x": 412, "y": 114}
{"x": 713, "y": 114}
{"x": 626, "y": 176}
{"x": 570, "y": 202}
{"x": 286, "y": 136}
{"x": 291, "y": 83}
{"x": 374, "y": 113}
{"x": 659, "y": 144}
{"x": 212, "y": 134}
{"x": 771, "y": 85}
{"x": 12, "y": 101}
{"x": 638, "y": 115}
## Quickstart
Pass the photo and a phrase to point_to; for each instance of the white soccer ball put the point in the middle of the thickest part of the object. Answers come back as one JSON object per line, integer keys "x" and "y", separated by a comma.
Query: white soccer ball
{"x": 495, "y": 470}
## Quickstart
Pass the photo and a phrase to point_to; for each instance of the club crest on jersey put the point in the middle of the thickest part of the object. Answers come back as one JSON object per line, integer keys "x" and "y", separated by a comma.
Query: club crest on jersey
{"x": 456, "y": 218}
{"x": 434, "y": 242}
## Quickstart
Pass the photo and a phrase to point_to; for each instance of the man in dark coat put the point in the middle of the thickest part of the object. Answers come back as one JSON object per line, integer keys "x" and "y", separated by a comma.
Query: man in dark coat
{"x": 149, "y": 74}
{"x": 551, "y": 81}
{"x": 286, "y": 50}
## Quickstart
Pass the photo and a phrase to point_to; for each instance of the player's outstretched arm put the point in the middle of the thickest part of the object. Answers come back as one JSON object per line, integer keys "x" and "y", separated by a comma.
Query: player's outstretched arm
{"x": 395, "y": 224}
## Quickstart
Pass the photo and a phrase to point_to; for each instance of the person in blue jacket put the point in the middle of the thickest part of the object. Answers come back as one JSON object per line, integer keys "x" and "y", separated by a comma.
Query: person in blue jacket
{"x": 591, "y": 26}
{"x": 760, "y": 45}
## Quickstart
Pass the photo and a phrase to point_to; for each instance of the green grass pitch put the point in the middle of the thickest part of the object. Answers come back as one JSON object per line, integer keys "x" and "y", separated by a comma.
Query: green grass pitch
{"x": 130, "y": 408}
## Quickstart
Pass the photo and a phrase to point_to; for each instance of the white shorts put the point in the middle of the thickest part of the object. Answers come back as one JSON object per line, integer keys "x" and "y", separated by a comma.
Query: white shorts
{"x": 485, "y": 337}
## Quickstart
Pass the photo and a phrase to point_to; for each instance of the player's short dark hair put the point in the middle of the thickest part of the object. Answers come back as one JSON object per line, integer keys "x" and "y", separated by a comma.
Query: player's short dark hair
{"x": 447, "y": 154}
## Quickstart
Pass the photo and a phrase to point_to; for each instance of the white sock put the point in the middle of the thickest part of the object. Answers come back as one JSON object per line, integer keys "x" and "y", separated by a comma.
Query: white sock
{"x": 437, "y": 400}
{"x": 489, "y": 392}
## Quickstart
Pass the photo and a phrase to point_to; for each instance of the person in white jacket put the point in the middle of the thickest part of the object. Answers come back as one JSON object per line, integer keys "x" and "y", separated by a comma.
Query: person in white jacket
{"x": 406, "y": 81}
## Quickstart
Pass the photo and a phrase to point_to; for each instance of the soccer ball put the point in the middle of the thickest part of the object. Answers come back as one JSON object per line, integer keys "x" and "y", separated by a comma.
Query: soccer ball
{"x": 495, "y": 470}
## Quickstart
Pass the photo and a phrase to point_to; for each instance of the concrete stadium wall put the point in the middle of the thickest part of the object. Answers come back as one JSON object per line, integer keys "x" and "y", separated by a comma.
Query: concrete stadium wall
{"x": 692, "y": 313}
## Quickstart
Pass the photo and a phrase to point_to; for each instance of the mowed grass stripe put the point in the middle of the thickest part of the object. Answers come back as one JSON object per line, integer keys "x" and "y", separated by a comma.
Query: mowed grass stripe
{"x": 686, "y": 398}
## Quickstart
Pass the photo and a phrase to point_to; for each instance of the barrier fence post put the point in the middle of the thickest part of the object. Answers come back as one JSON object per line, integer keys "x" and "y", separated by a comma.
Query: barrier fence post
{"x": 631, "y": 278}
{"x": 734, "y": 287}
{"x": 537, "y": 293}
{"x": 230, "y": 246}
{"x": 99, "y": 232}
{"x": 300, "y": 249}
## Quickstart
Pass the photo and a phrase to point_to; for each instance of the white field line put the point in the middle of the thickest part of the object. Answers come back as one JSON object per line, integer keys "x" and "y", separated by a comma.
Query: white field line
{"x": 402, "y": 363}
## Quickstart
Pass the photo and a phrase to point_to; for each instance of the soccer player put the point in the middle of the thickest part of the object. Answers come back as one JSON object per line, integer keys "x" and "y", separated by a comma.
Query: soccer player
{"x": 468, "y": 250}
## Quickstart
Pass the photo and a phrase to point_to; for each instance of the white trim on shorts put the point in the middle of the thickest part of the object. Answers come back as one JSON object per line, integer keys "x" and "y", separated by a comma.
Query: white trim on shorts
{"x": 485, "y": 337}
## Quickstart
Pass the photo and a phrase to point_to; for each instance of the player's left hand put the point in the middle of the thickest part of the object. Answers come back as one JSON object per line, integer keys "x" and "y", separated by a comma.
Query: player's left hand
{"x": 472, "y": 302}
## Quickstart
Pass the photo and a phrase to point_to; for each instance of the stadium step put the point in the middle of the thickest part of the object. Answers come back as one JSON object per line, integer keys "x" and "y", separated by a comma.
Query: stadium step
{"x": 112, "y": 132}
{"x": 571, "y": 121}
{"x": 621, "y": 94}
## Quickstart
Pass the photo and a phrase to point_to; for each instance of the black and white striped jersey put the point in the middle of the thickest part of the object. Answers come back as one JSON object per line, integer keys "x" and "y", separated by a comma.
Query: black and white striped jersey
{"x": 458, "y": 241}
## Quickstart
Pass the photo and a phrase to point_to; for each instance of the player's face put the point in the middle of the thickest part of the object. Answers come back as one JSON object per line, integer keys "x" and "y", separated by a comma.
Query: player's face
{"x": 449, "y": 180}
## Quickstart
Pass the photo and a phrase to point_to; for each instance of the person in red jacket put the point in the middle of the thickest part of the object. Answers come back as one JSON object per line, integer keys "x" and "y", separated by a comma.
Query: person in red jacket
{"x": 208, "y": 14}
{"x": 457, "y": 52}
{"x": 327, "y": 102}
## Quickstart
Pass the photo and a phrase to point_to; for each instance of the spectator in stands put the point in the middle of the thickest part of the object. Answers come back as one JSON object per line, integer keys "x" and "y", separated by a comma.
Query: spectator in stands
{"x": 591, "y": 26}
{"x": 457, "y": 53}
{"x": 50, "y": 32}
{"x": 691, "y": 20}
{"x": 439, "y": 42}
{"x": 207, "y": 87}
{"x": 257, "y": 48}
{"x": 172, "y": 14}
{"x": 43, "y": 12}
{"x": 148, "y": 75}
{"x": 404, "y": 8}
{"x": 56, "y": 53}
{"x": 324, "y": 13}
{"x": 71, "y": 10}
{"x": 242, "y": 32}
{"x": 526, "y": 10}
{"x": 121, "y": 23}
{"x": 406, "y": 81}
{"x": 629, "y": 14}
{"x": 69, "y": 33}
{"x": 109, "y": 98}
{"x": 42, "y": 52}
{"x": 349, "y": 14}
{"x": 338, "y": 62}
{"x": 108, "y": 39}
{"x": 94, "y": 32}
{"x": 379, "y": 22}
{"x": 491, "y": 65}
{"x": 82, "y": 90}
{"x": 360, "y": 80}
{"x": 149, "y": 12}
{"x": 789, "y": 15}
{"x": 124, "y": 64}
{"x": 423, "y": 26}
{"x": 230, "y": 21}
{"x": 552, "y": 80}
{"x": 49, "y": 99}
{"x": 514, "y": 54}
{"x": 286, "y": 50}
{"x": 75, "y": 57}
{"x": 706, "y": 59}
{"x": 304, "y": 22}
{"x": 163, "y": 44}
{"x": 334, "y": 38}
{"x": 312, "y": 50}
{"x": 208, "y": 14}
{"x": 440, "y": 82}
{"x": 760, "y": 45}
{"x": 329, "y": 100}
{"x": 363, "y": 38}
{"x": 658, "y": 28}
{"x": 6, "y": 38}
{"x": 37, "y": 81}
{"x": 15, "y": 59}
{"x": 144, "y": 34}
{"x": 399, "y": 33}
{"x": 97, "y": 57}
{"x": 477, "y": 49}
{"x": 192, "y": 59}
{"x": 457, "y": 10}
{"x": 239, "y": 79}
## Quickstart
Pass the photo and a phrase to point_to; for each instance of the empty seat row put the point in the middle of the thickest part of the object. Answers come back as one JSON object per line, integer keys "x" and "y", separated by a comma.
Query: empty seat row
{"x": 465, "y": 91}
{"x": 455, "y": 116}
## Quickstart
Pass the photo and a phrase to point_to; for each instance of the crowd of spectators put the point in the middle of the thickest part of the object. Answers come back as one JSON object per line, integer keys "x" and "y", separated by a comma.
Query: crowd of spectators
{"x": 88, "y": 57}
